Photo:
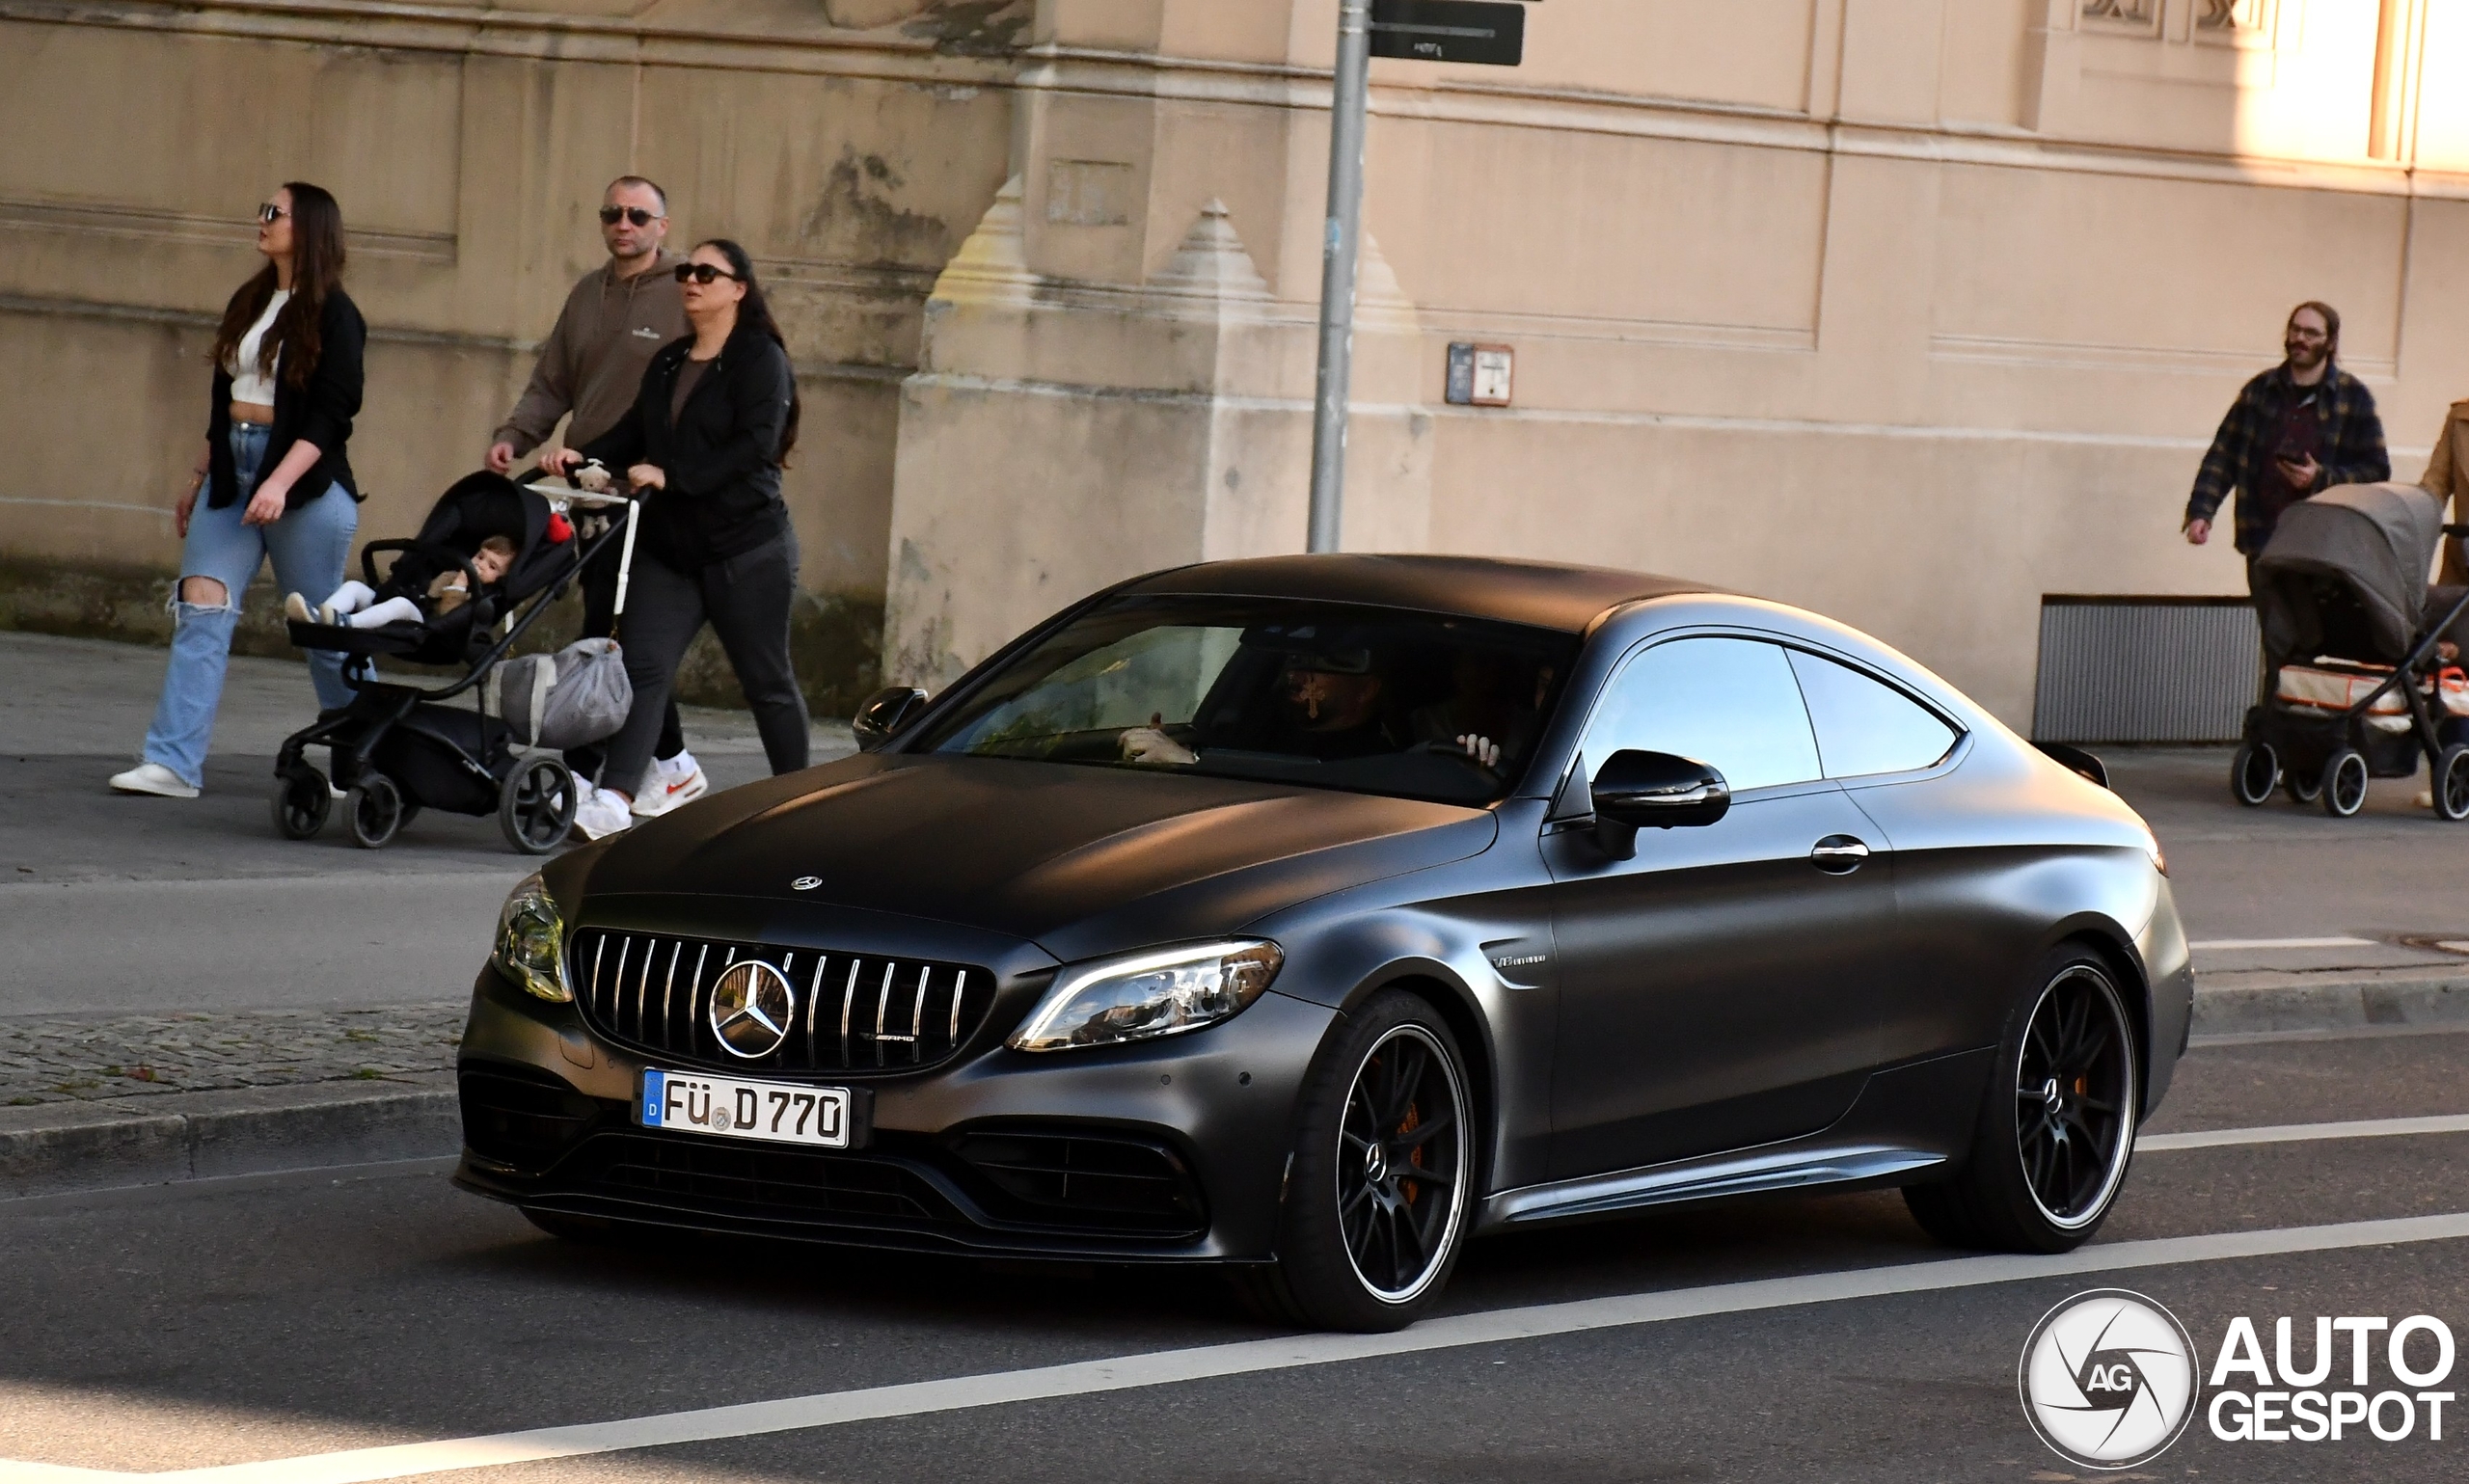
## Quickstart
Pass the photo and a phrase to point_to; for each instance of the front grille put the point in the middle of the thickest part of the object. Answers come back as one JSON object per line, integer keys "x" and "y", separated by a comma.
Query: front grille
{"x": 521, "y": 1118}
{"x": 750, "y": 1180}
{"x": 1085, "y": 1182}
{"x": 854, "y": 1013}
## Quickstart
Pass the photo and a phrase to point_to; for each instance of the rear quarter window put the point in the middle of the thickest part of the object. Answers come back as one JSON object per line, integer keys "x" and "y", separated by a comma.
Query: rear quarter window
{"x": 1864, "y": 727}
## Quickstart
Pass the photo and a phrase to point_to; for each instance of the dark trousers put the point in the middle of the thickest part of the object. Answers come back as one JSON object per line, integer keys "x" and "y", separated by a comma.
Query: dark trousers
{"x": 746, "y": 601}
{"x": 599, "y": 583}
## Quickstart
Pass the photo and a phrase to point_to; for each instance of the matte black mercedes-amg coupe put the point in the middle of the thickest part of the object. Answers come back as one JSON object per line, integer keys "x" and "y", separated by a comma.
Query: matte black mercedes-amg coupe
{"x": 1312, "y": 915}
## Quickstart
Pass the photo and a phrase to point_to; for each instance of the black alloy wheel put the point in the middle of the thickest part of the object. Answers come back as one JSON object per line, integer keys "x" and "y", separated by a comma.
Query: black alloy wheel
{"x": 300, "y": 803}
{"x": 1380, "y": 1189}
{"x": 2253, "y": 772}
{"x": 2450, "y": 785}
{"x": 2344, "y": 783}
{"x": 2057, "y": 1129}
{"x": 374, "y": 809}
{"x": 536, "y": 805}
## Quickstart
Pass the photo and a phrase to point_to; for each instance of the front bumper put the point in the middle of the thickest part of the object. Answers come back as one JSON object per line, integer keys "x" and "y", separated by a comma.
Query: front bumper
{"x": 1172, "y": 1151}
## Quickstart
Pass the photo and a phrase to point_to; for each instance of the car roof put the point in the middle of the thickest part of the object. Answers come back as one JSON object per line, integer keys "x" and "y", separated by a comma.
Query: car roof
{"x": 1544, "y": 595}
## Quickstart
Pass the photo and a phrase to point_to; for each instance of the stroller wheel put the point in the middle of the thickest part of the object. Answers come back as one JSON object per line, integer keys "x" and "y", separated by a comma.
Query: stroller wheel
{"x": 2253, "y": 772}
{"x": 374, "y": 808}
{"x": 300, "y": 802}
{"x": 536, "y": 805}
{"x": 2452, "y": 783}
{"x": 2345, "y": 783}
{"x": 2304, "y": 787}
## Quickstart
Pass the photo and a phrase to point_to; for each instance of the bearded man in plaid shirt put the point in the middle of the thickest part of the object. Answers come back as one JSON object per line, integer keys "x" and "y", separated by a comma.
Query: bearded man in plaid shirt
{"x": 2303, "y": 427}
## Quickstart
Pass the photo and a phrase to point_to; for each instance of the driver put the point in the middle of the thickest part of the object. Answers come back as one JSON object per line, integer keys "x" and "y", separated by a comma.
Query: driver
{"x": 1332, "y": 706}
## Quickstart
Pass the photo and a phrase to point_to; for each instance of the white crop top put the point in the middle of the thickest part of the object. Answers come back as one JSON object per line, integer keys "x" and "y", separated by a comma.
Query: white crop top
{"x": 248, "y": 383}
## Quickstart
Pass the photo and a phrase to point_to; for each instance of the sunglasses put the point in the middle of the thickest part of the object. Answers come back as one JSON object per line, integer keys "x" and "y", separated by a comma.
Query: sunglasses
{"x": 704, "y": 273}
{"x": 270, "y": 213}
{"x": 610, "y": 216}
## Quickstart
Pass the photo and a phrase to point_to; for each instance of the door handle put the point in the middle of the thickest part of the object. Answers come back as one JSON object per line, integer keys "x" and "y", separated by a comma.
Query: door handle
{"x": 1839, "y": 854}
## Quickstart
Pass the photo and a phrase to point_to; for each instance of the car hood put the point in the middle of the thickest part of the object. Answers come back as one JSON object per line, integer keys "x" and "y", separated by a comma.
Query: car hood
{"x": 1079, "y": 860}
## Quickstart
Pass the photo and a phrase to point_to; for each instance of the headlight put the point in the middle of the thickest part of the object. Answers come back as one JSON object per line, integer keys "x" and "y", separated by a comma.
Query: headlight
{"x": 532, "y": 941}
{"x": 1145, "y": 995}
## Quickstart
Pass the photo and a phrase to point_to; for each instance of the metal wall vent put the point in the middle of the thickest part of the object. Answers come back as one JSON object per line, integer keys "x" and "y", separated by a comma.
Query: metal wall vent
{"x": 2117, "y": 669}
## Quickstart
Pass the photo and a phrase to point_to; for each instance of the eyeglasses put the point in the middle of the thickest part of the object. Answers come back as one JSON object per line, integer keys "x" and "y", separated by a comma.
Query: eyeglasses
{"x": 704, "y": 273}
{"x": 270, "y": 213}
{"x": 610, "y": 216}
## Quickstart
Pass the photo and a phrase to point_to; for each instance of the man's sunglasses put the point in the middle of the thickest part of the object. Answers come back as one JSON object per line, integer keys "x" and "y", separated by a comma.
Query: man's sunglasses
{"x": 704, "y": 273}
{"x": 270, "y": 213}
{"x": 610, "y": 216}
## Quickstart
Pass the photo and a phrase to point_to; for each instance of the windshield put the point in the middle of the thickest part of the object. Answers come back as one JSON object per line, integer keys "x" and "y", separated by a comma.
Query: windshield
{"x": 1372, "y": 700}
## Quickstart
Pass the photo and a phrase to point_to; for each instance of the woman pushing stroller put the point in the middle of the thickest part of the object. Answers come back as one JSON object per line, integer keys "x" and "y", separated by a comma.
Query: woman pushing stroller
{"x": 712, "y": 426}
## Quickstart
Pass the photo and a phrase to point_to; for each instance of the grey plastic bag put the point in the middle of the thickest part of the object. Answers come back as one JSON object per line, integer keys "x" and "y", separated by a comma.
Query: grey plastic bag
{"x": 578, "y": 695}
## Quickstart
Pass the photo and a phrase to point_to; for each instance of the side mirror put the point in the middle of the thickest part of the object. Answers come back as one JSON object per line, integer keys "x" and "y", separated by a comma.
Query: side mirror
{"x": 884, "y": 713}
{"x": 1639, "y": 789}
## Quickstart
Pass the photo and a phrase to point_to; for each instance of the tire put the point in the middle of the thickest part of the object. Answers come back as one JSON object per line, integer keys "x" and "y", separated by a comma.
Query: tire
{"x": 300, "y": 803}
{"x": 536, "y": 805}
{"x": 2055, "y": 1131}
{"x": 1361, "y": 1247}
{"x": 2450, "y": 783}
{"x": 2253, "y": 772}
{"x": 375, "y": 810}
{"x": 2305, "y": 786}
{"x": 2344, "y": 783}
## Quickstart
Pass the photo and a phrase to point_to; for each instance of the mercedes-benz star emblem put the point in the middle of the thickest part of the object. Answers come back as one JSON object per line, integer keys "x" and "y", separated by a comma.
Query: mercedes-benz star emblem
{"x": 806, "y": 883}
{"x": 752, "y": 1007}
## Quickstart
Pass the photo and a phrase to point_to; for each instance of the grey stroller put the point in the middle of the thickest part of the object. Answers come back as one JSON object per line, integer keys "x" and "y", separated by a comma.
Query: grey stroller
{"x": 2352, "y": 635}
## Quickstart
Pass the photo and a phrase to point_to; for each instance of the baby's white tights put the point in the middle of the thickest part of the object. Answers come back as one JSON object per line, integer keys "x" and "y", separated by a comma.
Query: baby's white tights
{"x": 355, "y": 604}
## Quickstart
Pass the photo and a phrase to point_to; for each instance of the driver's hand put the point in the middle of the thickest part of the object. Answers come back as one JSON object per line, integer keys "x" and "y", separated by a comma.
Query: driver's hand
{"x": 1149, "y": 744}
{"x": 1481, "y": 750}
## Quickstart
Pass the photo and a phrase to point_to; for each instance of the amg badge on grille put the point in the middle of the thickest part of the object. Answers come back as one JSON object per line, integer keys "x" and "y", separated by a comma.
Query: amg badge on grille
{"x": 752, "y": 1007}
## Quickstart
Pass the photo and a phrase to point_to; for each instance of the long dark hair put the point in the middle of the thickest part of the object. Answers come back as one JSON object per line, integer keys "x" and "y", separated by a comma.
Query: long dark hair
{"x": 316, "y": 271}
{"x": 2331, "y": 325}
{"x": 756, "y": 310}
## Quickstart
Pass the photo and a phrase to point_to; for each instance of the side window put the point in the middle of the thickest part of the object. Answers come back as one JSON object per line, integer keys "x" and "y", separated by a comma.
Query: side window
{"x": 1729, "y": 702}
{"x": 1864, "y": 727}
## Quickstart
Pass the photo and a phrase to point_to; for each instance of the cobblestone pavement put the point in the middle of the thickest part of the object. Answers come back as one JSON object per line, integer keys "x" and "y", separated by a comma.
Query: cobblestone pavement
{"x": 63, "y": 1059}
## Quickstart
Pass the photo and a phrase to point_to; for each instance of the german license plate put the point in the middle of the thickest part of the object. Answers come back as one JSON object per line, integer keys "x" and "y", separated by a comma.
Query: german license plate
{"x": 733, "y": 1108}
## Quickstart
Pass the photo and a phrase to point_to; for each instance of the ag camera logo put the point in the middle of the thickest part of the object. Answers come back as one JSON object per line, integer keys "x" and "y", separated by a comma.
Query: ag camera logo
{"x": 2109, "y": 1379}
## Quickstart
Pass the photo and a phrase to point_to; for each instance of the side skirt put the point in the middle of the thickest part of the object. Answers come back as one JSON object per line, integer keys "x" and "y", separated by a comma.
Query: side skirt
{"x": 1908, "y": 1119}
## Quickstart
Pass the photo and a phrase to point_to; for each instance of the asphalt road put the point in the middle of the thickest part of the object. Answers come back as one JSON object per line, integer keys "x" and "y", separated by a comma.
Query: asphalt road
{"x": 111, "y": 903}
{"x": 225, "y": 1323}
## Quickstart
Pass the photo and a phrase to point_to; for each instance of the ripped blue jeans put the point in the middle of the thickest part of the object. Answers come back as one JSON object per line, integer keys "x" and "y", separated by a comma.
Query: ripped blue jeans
{"x": 309, "y": 547}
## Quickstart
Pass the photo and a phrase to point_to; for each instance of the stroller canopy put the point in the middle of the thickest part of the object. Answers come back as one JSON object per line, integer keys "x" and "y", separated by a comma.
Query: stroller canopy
{"x": 2345, "y": 574}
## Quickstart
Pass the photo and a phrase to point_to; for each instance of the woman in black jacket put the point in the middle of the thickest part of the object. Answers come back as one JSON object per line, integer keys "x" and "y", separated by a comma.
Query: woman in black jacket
{"x": 703, "y": 449}
{"x": 274, "y": 472}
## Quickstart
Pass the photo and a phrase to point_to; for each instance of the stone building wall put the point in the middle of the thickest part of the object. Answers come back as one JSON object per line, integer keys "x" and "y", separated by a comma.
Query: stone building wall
{"x": 1912, "y": 310}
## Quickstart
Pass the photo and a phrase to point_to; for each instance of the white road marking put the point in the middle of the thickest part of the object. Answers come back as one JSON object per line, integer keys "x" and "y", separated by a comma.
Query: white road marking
{"x": 2302, "y": 1133}
{"x": 362, "y": 1466}
{"x": 2246, "y": 945}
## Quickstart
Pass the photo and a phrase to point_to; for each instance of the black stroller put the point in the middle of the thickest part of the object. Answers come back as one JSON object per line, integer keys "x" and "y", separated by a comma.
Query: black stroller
{"x": 398, "y": 748}
{"x": 2359, "y": 689}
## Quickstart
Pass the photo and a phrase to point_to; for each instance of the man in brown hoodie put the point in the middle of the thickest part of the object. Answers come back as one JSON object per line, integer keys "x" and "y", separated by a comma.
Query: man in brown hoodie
{"x": 591, "y": 365}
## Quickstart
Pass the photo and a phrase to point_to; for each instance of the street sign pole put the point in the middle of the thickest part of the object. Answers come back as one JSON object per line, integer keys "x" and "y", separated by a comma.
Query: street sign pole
{"x": 1341, "y": 251}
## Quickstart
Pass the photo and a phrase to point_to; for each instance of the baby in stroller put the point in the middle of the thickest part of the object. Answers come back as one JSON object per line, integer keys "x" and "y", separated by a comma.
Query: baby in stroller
{"x": 358, "y": 604}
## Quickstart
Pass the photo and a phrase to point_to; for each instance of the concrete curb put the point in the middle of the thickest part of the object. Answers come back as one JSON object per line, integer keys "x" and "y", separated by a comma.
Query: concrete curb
{"x": 2251, "y": 1001}
{"x": 186, "y": 1136}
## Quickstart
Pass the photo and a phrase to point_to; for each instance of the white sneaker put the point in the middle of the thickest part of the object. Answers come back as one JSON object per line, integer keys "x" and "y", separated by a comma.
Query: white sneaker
{"x": 603, "y": 814}
{"x": 296, "y": 608}
{"x": 673, "y": 781}
{"x": 153, "y": 778}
